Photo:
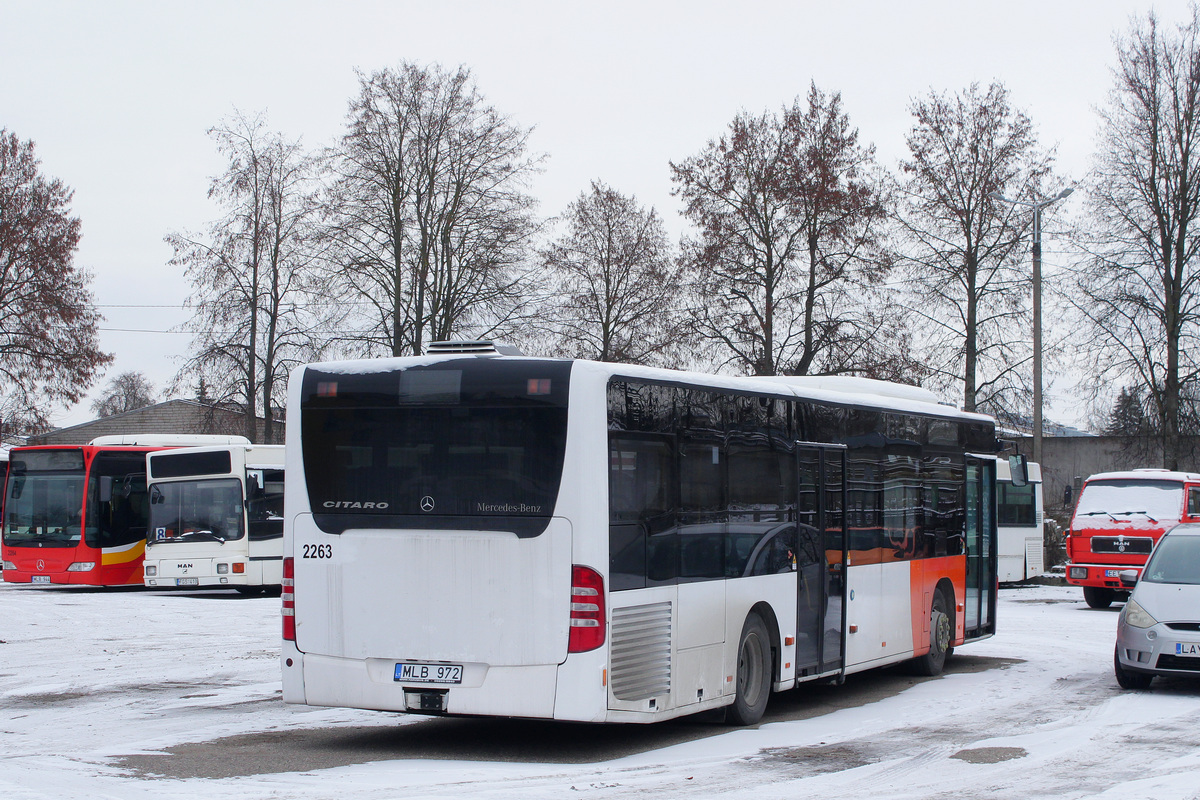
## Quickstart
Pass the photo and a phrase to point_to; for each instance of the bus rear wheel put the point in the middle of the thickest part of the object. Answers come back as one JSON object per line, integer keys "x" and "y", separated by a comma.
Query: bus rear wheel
{"x": 1098, "y": 597}
{"x": 753, "y": 674}
{"x": 941, "y": 634}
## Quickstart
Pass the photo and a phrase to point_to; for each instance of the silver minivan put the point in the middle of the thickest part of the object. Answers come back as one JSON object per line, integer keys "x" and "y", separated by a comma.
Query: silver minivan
{"x": 1158, "y": 632}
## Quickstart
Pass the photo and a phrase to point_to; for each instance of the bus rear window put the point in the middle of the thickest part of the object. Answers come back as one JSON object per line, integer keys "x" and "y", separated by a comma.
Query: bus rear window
{"x": 447, "y": 445}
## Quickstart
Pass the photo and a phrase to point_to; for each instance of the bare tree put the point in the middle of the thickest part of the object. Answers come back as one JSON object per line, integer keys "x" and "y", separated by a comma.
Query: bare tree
{"x": 960, "y": 250}
{"x": 126, "y": 392}
{"x": 1140, "y": 288}
{"x": 254, "y": 289}
{"x": 429, "y": 221}
{"x": 615, "y": 288}
{"x": 49, "y": 342}
{"x": 788, "y": 206}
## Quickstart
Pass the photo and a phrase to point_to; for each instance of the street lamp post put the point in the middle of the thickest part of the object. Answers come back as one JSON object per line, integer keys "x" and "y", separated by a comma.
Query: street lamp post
{"x": 1037, "y": 207}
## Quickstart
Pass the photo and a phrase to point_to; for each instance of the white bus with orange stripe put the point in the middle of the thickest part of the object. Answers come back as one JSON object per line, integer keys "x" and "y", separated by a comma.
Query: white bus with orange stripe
{"x": 478, "y": 533}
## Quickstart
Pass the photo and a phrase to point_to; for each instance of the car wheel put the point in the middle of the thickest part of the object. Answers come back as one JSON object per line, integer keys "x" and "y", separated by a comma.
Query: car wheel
{"x": 1098, "y": 597}
{"x": 753, "y": 674}
{"x": 941, "y": 634}
{"x": 1127, "y": 679}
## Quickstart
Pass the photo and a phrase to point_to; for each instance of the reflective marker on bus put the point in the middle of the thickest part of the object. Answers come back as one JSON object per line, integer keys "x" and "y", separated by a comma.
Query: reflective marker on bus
{"x": 489, "y": 534}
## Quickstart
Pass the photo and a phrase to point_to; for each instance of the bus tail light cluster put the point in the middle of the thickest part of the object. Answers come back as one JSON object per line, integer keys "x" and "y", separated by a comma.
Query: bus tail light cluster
{"x": 587, "y": 610}
{"x": 288, "y": 596}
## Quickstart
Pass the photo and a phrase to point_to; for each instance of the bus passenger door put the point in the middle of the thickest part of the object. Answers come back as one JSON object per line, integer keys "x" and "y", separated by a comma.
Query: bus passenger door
{"x": 979, "y": 616}
{"x": 820, "y": 559}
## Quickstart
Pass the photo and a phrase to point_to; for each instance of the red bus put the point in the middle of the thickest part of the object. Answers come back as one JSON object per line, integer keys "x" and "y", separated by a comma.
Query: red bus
{"x": 76, "y": 514}
{"x": 1118, "y": 518}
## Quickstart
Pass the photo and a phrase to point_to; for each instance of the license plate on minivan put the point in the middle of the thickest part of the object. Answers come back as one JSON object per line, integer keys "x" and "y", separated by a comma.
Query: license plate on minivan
{"x": 423, "y": 672}
{"x": 1187, "y": 648}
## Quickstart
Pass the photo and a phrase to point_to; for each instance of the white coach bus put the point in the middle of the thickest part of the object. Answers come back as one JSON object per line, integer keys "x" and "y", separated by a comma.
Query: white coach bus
{"x": 216, "y": 517}
{"x": 1019, "y": 519}
{"x": 486, "y": 534}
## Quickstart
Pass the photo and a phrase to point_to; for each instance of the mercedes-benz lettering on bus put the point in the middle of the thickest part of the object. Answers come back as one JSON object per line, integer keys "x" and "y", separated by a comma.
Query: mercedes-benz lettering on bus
{"x": 77, "y": 513}
{"x": 1019, "y": 516}
{"x": 496, "y": 535}
{"x": 216, "y": 517}
{"x": 1118, "y": 518}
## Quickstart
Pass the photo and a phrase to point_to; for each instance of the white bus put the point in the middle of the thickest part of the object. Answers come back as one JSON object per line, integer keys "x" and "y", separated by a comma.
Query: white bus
{"x": 1019, "y": 517}
{"x": 497, "y": 535}
{"x": 216, "y": 517}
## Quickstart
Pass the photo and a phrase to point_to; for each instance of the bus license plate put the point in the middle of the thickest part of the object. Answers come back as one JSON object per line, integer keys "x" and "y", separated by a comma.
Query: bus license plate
{"x": 39, "y": 579}
{"x": 1187, "y": 648}
{"x": 1112, "y": 573}
{"x": 428, "y": 673}
{"x": 187, "y": 581}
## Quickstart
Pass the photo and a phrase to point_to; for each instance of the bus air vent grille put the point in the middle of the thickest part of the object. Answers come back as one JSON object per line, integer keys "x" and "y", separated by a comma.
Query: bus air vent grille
{"x": 641, "y": 651}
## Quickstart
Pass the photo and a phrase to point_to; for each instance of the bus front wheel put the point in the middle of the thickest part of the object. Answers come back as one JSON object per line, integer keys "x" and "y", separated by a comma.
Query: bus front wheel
{"x": 753, "y": 674}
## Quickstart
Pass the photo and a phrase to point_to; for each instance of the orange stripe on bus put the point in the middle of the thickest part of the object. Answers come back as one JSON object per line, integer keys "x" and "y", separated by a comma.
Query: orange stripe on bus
{"x": 124, "y": 555}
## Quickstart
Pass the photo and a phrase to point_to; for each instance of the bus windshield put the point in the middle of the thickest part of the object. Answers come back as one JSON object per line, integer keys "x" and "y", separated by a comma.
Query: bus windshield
{"x": 434, "y": 446}
{"x": 43, "y": 509}
{"x": 189, "y": 511}
{"x": 1127, "y": 499}
{"x": 44, "y": 499}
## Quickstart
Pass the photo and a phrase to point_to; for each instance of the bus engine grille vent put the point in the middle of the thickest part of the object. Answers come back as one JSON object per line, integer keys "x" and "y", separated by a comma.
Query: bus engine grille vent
{"x": 641, "y": 651}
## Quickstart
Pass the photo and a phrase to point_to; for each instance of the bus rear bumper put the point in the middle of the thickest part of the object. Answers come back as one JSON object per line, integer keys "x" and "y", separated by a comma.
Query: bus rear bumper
{"x": 316, "y": 680}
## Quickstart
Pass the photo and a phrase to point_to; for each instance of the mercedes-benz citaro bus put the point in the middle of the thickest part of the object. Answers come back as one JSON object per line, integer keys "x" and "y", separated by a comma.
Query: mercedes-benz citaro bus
{"x": 76, "y": 514}
{"x": 216, "y": 517}
{"x": 1019, "y": 516}
{"x": 471, "y": 532}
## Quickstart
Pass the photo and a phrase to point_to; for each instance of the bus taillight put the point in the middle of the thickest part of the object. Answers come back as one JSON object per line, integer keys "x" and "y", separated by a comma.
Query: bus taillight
{"x": 587, "y": 610}
{"x": 288, "y": 596}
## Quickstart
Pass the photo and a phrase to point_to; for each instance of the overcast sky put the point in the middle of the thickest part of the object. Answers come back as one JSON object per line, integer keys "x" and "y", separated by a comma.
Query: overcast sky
{"x": 118, "y": 95}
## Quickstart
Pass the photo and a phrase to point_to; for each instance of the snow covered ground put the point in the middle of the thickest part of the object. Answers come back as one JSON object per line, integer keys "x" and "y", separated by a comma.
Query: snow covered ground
{"x": 133, "y": 694}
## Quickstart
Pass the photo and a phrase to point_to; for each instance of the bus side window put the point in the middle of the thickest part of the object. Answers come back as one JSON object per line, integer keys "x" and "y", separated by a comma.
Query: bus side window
{"x": 1193, "y": 501}
{"x": 264, "y": 504}
{"x": 642, "y": 538}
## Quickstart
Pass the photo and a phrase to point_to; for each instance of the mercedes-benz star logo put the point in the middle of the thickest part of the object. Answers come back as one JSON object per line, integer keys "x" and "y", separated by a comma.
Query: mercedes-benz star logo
{"x": 427, "y": 503}
{"x": 41, "y": 565}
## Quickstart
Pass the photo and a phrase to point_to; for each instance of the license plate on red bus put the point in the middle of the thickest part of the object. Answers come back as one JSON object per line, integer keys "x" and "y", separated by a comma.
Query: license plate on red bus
{"x": 39, "y": 579}
{"x": 424, "y": 672}
{"x": 1112, "y": 573}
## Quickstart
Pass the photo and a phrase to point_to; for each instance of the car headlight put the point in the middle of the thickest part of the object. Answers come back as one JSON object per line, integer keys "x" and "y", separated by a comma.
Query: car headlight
{"x": 1135, "y": 615}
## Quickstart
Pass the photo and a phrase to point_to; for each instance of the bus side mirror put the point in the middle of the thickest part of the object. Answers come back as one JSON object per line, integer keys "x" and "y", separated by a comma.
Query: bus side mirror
{"x": 1019, "y": 470}
{"x": 106, "y": 486}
